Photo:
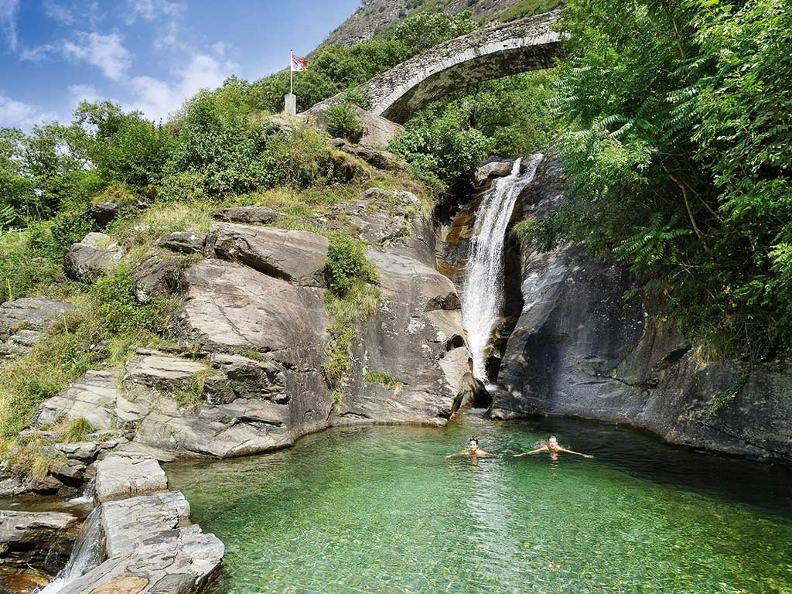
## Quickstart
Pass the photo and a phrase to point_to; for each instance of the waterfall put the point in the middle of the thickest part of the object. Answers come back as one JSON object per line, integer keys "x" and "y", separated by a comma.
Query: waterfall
{"x": 84, "y": 557}
{"x": 482, "y": 294}
{"x": 87, "y": 495}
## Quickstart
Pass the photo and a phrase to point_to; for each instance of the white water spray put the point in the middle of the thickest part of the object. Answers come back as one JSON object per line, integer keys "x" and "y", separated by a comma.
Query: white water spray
{"x": 482, "y": 294}
{"x": 84, "y": 557}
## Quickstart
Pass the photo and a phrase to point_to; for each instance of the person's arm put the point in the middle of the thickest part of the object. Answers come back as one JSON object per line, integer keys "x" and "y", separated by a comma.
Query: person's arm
{"x": 532, "y": 452}
{"x": 462, "y": 453}
{"x": 483, "y": 454}
{"x": 576, "y": 453}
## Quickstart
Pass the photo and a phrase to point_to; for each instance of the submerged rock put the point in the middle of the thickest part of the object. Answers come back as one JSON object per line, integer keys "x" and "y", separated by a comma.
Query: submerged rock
{"x": 92, "y": 258}
{"x": 23, "y": 320}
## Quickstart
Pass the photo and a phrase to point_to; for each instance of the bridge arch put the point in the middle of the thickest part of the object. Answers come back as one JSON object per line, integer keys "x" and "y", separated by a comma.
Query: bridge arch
{"x": 495, "y": 52}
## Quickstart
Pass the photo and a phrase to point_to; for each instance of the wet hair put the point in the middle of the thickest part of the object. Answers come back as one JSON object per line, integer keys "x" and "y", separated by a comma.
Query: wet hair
{"x": 552, "y": 437}
{"x": 472, "y": 439}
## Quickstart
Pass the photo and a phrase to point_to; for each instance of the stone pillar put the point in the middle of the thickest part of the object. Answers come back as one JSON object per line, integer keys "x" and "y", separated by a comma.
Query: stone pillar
{"x": 291, "y": 104}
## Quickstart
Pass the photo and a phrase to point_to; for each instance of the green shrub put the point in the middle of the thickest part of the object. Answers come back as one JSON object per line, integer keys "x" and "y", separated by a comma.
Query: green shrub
{"x": 383, "y": 379}
{"x": 346, "y": 265}
{"x": 75, "y": 430}
{"x": 118, "y": 310}
{"x": 343, "y": 122}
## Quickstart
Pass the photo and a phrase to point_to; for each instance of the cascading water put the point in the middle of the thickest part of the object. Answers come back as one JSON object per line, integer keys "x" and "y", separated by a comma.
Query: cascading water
{"x": 87, "y": 495}
{"x": 84, "y": 557}
{"x": 482, "y": 294}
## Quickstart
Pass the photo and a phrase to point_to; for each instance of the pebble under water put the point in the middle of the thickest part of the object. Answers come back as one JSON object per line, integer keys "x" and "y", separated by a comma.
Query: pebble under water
{"x": 380, "y": 509}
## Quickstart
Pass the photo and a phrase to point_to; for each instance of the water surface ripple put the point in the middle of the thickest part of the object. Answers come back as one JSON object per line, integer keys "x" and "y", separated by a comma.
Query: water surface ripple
{"x": 381, "y": 510}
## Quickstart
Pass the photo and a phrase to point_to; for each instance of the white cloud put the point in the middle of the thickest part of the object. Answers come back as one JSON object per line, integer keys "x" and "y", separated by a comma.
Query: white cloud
{"x": 150, "y": 10}
{"x": 158, "y": 99}
{"x": 39, "y": 53}
{"x": 8, "y": 13}
{"x": 107, "y": 52}
{"x": 59, "y": 13}
{"x": 80, "y": 93}
{"x": 16, "y": 114}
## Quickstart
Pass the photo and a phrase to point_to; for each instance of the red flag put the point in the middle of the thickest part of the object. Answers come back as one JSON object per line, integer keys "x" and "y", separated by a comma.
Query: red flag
{"x": 298, "y": 64}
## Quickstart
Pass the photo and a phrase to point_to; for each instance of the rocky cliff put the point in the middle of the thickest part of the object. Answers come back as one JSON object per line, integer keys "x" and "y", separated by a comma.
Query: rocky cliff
{"x": 375, "y": 15}
{"x": 579, "y": 348}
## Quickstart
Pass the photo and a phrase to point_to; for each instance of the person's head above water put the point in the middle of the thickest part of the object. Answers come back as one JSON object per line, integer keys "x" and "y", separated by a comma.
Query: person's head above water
{"x": 473, "y": 444}
{"x": 552, "y": 442}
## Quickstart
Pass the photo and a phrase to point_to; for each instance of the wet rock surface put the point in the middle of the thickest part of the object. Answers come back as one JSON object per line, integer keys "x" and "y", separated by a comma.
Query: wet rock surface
{"x": 579, "y": 348}
{"x": 37, "y": 539}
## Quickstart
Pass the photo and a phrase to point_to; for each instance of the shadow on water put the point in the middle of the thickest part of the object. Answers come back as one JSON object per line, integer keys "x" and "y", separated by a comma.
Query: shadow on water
{"x": 767, "y": 485}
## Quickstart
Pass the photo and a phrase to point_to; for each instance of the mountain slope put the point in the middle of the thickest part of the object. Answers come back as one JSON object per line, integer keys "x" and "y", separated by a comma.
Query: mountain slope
{"x": 375, "y": 15}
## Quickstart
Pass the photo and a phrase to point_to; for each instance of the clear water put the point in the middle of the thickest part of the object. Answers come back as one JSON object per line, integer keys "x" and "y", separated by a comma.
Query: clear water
{"x": 482, "y": 292}
{"x": 381, "y": 510}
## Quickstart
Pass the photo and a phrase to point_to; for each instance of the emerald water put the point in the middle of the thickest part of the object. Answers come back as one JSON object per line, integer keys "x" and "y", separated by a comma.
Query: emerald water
{"x": 381, "y": 510}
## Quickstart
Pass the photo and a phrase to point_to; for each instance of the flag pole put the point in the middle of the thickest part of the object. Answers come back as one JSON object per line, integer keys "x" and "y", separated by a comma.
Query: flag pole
{"x": 291, "y": 71}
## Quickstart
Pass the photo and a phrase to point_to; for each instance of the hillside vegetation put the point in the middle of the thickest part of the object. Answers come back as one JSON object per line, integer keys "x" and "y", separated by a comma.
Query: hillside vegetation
{"x": 673, "y": 122}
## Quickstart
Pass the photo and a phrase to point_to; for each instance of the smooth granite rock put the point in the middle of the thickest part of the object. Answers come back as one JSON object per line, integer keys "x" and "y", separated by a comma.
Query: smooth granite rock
{"x": 294, "y": 256}
{"x": 119, "y": 476}
{"x": 92, "y": 397}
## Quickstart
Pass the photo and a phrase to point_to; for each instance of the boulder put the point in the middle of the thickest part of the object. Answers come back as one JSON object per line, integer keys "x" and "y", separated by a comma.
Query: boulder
{"x": 184, "y": 242}
{"x": 92, "y": 397}
{"x": 92, "y": 258}
{"x": 493, "y": 168}
{"x": 150, "y": 548}
{"x": 377, "y": 131}
{"x": 294, "y": 256}
{"x": 27, "y": 538}
{"x": 157, "y": 277}
{"x": 247, "y": 215}
{"x": 104, "y": 213}
{"x": 381, "y": 159}
{"x": 160, "y": 371}
{"x": 250, "y": 378}
{"x": 232, "y": 306}
{"x": 23, "y": 320}
{"x": 119, "y": 476}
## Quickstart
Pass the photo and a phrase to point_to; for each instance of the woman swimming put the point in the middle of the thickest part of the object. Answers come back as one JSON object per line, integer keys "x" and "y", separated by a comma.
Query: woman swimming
{"x": 553, "y": 448}
{"x": 473, "y": 450}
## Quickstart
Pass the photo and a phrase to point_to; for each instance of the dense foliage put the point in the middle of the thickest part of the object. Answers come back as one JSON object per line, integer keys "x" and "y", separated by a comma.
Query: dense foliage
{"x": 678, "y": 152}
{"x": 335, "y": 68}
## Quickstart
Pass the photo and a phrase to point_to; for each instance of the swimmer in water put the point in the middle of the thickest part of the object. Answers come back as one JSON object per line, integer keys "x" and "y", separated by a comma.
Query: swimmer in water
{"x": 473, "y": 450}
{"x": 553, "y": 448}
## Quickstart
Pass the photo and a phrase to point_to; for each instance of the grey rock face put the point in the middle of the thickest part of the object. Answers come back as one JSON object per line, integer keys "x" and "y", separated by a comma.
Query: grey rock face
{"x": 150, "y": 548}
{"x": 184, "y": 242}
{"x": 381, "y": 159}
{"x": 92, "y": 397}
{"x": 120, "y": 476}
{"x": 22, "y": 321}
{"x": 493, "y": 168}
{"x": 580, "y": 349}
{"x": 294, "y": 256}
{"x": 26, "y": 538}
{"x": 92, "y": 258}
{"x": 417, "y": 339}
{"x": 104, "y": 213}
{"x": 377, "y": 131}
{"x": 248, "y": 215}
{"x": 157, "y": 277}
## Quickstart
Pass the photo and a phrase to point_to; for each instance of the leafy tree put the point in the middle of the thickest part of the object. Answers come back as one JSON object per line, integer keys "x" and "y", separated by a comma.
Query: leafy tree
{"x": 678, "y": 114}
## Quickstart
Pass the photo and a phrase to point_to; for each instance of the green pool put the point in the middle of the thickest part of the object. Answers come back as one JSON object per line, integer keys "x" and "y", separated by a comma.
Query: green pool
{"x": 380, "y": 510}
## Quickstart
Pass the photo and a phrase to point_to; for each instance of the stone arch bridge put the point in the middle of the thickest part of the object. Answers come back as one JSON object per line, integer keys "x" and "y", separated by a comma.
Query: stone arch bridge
{"x": 503, "y": 50}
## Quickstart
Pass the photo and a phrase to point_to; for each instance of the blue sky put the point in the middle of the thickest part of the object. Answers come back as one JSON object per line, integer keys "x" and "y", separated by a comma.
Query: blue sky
{"x": 145, "y": 54}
